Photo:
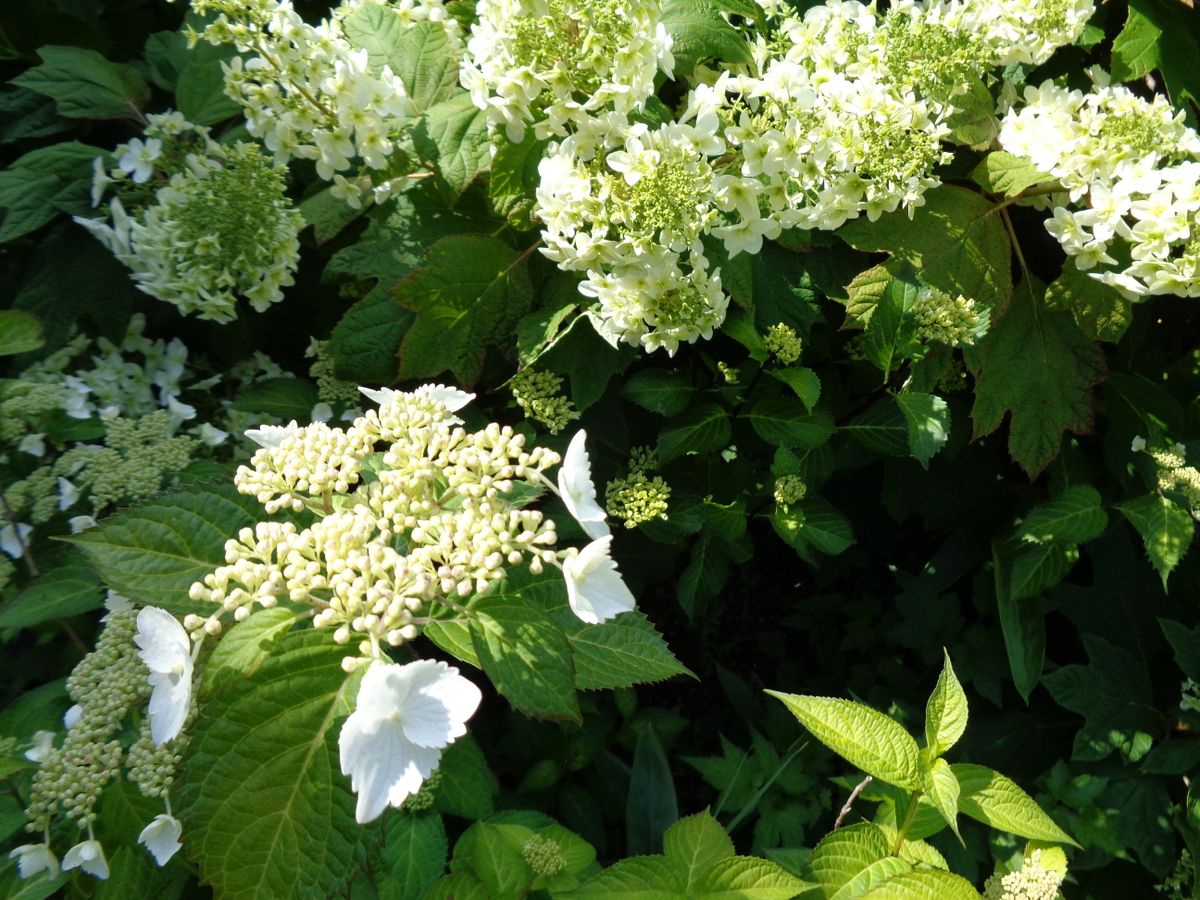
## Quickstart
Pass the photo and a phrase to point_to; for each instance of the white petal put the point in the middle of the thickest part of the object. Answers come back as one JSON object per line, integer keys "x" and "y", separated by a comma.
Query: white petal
{"x": 595, "y": 589}
{"x": 577, "y": 490}
{"x": 12, "y": 541}
{"x": 439, "y": 705}
{"x": 68, "y": 494}
{"x": 161, "y": 838}
{"x": 450, "y": 397}
{"x": 43, "y": 743}
{"x": 382, "y": 396}
{"x": 163, "y": 641}
{"x": 384, "y": 767}
{"x": 72, "y": 716}
{"x": 34, "y": 858}
{"x": 89, "y": 856}
{"x": 169, "y": 703}
{"x": 271, "y": 436}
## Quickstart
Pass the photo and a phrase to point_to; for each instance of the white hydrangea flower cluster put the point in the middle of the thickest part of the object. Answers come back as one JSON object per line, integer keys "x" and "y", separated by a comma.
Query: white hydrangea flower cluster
{"x": 310, "y": 93}
{"x": 557, "y": 63}
{"x": 843, "y": 112}
{"x": 404, "y": 476}
{"x": 1016, "y": 31}
{"x": 1130, "y": 169}
{"x": 197, "y": 223}
{"x": 1031, "y": 882}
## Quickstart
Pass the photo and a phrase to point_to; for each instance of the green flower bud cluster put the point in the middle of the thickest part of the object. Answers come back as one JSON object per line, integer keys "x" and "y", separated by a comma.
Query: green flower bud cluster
{"x": 539, "y": 394}
{"x": 728, "y": 372}
{"x": 1174, "y": 474}
{"x": 1030, "y": 882}
{"x": 23, "y": 405}
{"x": 35, "y": 497}
{"x": 544, "y": 856}
{"x": 783, "y": 343}
{"x": 105, "y": 684}
{"x": 790, "y": 489}
{"x": 7, "y": 571}
{"x": 138, "y": 456}
{"x": 152, "y": 768}
{"x": 330, "y": 388}
{"x": 953, "y": 321}
{"x": 954, "y": 378}
{"x": 422, "y": 800}
{"x": 638, "y": 498}
{"x": 1177, "y": 885}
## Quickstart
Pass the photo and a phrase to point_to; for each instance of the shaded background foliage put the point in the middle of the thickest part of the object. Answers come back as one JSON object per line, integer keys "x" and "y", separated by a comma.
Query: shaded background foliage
{"x": 1075, "y": 688}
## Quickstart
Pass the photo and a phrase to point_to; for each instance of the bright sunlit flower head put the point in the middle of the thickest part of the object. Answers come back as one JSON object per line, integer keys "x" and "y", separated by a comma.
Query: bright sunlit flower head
{"x": 89, "y": 856}
{"x": 404, "y": 717}
{"x": 161, "y": 837}
{"x": 595, "y": 589}
{"x": 577, "y": 490}
{"x": 34, "y": 858}
{"x": 166, "y": 651}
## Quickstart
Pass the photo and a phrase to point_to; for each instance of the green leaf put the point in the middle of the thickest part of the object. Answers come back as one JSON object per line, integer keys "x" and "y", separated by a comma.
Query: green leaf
{"x": 622, "y": 652}
{"x": 1038, "y": 567}
{"x": 704, "y": 428}
{"x": 928, "y": 418}
{"x": 45, "y": 183}
{"x": 890, "y": 334}
{"x": 1112, "y": 692}
{"x": 865, "y": 737}
{"x": 1074, "y": 516}
{"x": 864, "y": 292}
{"x": 1159, "y": 36}
{"x": 414, "y": 856}
{"x": 19, "y": 332}
{"x": 469, "y": 295}
{"x": 803, "y": 382}
{"x": 85, "y": 85}
{"x": 468, "y": 788}
{"x": 453, "y": 137}
{"x": 991, "y": 798}
{"x": 924, "y": 884}
{"x": 660, "y": 391}
{"x": 285, "y": 397}
{"x": 945, "y": 711}
{"x": 697, "y": 841}
{"x": 267, "y": 811}
{"x": 152, "y": 553}
{"x": 941, "y": 787}
{"x": 650, "y": 806}
{"x": 813, "y": 524}
{"x": 844, "y": 853}
{"x": 455, "y": 639}
{"x": 746, "y": 878}
{"x": 419, "y": 53}
{"x": 200, "y": 89}
{"x": 704, "y": 577}
{"x": 60, "y": 593}
{"x": 494, "y": 854}
{"x": 699, "y": 32}
{"x": 1001, "y": 172}
{"x": 1021, "y": 623}
{"x": 526, "y": 657}
{"x": 1101, "y": 312}
{"x": 244, "y": 648}
{"x": 1185, "y": 642}
{"x": 882, "y": 427}
{"x": 879, "y": 872}
{"x": 514, "y": 179}
{"x": 956, "y": 241}
{"x": 364, "y": 343}
{"x": 786, "y": 422}
{"x": 1166, "y": 529}
{"x": 25, "y": 114}
{"x": 635, "y": 878}
{"x": 973, "y": 120}
{"x": 1039, "y": 367}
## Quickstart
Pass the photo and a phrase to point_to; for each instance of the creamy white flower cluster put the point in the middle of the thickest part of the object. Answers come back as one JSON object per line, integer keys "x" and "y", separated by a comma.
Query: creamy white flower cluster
{"x": 404, "y": 476}
{"x": 556, "y": 63}
{"x": 1130, "y": 169}
{"x": 843, "y": 112}
{"x": 310, "y": 93}
{"x": 211, "y": 224}
{"x": 1016, "y": 31}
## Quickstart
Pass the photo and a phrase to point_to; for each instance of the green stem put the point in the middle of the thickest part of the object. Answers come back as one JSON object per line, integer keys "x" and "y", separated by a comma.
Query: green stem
{"x": 908, "y": 820}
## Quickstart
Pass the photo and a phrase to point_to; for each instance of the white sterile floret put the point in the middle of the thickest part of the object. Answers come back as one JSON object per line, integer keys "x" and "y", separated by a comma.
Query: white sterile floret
{"x": 14, "y": 539}
{"x": 271, "y": 436}
{"x": 72, "y": 716}
{"x": 161, "y": 837}
{"x": 595, "y": 589}
{"x": 403, "y": 718}
{"x": 166, "y": 650}
{"x": 43, "y": 743}
{"x": 89, "y": 856}
{"x": 137, "y": 159}
{"x": 577, "y": 490}
{"x": 34, "y": 858}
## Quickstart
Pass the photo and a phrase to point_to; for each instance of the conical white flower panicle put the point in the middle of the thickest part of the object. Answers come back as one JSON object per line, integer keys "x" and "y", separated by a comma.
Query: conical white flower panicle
{"x": 405, "y": 715}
